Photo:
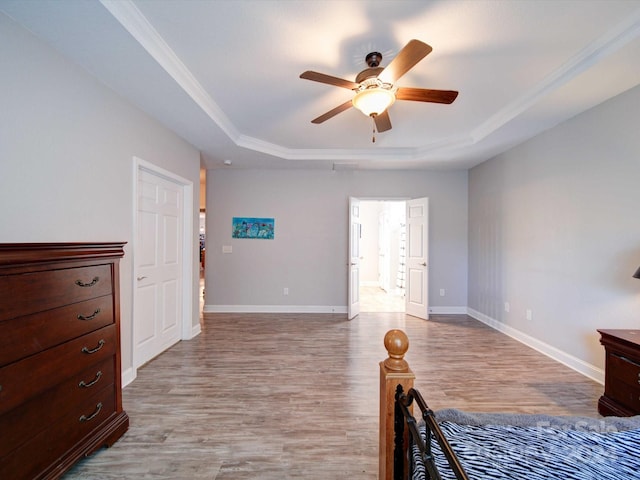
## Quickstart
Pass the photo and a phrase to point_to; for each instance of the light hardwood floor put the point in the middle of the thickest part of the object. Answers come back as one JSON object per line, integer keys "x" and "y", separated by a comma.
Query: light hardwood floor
{"x": 288, "y": 396}
{"x": 375, "y": 299}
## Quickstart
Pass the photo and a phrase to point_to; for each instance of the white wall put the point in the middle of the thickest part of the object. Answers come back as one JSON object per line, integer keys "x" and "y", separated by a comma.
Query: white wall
{"x": 309, "y": 252}
{"x": 66, "y": 157}
{"x": 554, "y": 227}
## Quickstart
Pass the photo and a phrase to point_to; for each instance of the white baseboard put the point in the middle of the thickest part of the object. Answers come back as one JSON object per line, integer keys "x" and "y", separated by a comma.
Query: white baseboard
{"x": 274, "y": 309}
{"x": 448, "y": 310}
{"x": 128, "y": 376}
{"x": 580, "y": 366}
{"x": 310, "y": 309}
{"x": 195, "y": 331}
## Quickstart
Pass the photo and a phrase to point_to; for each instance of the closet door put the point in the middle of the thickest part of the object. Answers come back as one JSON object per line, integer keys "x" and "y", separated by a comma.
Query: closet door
{"x": 158, "y": 257}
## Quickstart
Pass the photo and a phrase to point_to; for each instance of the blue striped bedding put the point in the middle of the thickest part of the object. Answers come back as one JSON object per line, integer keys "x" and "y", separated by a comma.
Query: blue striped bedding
{"x": 518, "y": 453}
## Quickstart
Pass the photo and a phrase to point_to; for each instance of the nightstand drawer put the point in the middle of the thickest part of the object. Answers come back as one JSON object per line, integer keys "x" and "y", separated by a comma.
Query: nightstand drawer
{"x": 623, "y": 369}
{"x": 625, "y": 394}
{"x": 28, "y": 335}
{"x": 33, "y": 292}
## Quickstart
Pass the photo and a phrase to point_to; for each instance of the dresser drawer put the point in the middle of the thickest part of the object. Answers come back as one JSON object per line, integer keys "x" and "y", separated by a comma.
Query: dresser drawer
{"x": 26, "y": 420}
{"x": 35, "y": 374}
{"x": 53, "y": 442}
{"x": 27, "y": 293}
{"x": 623, "y": 369}
{"x": 24, "y": 336}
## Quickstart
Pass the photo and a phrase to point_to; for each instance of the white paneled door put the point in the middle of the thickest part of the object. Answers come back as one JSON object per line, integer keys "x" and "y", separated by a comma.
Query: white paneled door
{"x": 417, "y": 257}
{"x": 353, "y": 305}
{"x": 158, "y": 257}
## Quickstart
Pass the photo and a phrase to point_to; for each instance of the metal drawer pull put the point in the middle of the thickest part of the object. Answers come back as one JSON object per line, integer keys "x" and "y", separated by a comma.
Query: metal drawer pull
{"x": 83, "y": 384}
{"x": 84, "y": 418}
{"x": 94, "y": 350}
{"x": 80, "y": 283}
{"x": 89, "y": 317}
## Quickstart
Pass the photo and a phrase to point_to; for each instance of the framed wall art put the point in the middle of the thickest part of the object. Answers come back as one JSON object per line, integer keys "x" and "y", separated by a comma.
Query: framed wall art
{"x": 250, "y": 227}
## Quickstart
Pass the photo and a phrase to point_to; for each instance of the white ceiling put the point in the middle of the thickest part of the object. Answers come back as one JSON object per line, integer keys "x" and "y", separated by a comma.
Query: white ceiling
{"x": 224, "y": 75}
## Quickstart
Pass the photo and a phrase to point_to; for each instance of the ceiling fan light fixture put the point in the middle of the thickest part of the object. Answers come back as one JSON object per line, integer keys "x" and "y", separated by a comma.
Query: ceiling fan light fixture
{"x": 373, "y": 101}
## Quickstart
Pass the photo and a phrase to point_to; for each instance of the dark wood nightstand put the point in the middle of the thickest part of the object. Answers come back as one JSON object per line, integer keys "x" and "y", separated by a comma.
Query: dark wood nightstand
{"x": 622, "y": 373}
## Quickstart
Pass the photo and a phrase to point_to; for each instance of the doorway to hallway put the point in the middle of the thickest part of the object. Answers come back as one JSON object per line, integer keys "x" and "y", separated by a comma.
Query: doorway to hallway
{"x": 383, "y": 256}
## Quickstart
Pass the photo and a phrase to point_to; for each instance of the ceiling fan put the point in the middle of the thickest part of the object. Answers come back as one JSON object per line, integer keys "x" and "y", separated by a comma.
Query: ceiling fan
{"x": 375, "y": 89}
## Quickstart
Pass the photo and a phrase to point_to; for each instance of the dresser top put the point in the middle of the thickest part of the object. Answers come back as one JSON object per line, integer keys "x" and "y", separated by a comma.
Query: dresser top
{"x": 27, "y": 253}
{"x": 631, "y": 336}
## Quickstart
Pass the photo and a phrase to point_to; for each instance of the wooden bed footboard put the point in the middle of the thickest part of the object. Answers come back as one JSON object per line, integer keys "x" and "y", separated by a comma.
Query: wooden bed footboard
{"x": 541, "y": 446}
{"x": 406, "y": 421}
{"x": 397, "y": 423}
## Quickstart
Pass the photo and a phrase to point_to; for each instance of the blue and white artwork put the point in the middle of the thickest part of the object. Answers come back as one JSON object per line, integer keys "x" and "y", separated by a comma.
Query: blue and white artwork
{"x": 248, "y": 227}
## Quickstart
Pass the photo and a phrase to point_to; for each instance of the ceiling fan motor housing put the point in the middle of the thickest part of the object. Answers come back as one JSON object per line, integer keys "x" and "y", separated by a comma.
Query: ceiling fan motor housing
{"x": 373, "y": 59}
{"x": 368, "y": 73}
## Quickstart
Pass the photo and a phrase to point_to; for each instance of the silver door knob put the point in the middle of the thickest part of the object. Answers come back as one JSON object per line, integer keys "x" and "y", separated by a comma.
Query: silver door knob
{"x": 424, "y": 264}
{"x": 141, "y": 278}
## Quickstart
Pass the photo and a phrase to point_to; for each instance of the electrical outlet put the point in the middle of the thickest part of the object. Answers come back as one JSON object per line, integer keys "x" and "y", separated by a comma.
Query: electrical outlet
{"x": 442, "y": 292}
{"x": 529, "y": 314}
{"x": 507, "y": 307}
{"x": 285, "y": 291}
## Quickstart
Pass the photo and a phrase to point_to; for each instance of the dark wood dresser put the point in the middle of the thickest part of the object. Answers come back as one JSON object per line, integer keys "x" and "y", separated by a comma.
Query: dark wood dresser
{"x": 60, "y": 380}
{"x": 622, "y": 373}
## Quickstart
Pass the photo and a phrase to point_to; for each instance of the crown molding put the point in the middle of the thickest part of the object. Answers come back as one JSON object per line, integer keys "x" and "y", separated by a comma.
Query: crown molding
{"x": 132, "y": 19}
{"x": 604, "y": 46}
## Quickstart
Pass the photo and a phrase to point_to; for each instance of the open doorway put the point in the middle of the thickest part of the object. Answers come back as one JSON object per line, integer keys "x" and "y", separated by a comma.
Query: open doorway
{"x": 382, "y": 283}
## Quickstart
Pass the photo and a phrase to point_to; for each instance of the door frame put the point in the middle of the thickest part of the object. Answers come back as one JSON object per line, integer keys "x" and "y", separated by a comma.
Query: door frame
{"x": 186, "y": 328}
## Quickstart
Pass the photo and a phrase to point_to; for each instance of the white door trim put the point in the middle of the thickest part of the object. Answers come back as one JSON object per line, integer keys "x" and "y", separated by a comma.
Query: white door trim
{"x": 186, "y": 328}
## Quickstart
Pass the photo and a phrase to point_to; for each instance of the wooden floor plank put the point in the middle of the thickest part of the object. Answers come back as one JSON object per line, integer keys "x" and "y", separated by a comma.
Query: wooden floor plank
{"x": 293, "y": 396}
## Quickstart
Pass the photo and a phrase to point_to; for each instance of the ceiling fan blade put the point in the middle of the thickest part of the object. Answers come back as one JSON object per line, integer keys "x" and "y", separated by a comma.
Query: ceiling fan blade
{"x": 412, "y": 53}
{"x": 426, "y": 95}
{"x": 328, "y": 79}
{"x": 383, "y": 122}
{"x": 332, "y": 113}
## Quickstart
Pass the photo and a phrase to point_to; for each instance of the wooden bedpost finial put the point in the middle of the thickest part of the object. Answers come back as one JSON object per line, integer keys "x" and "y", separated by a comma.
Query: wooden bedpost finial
{"x": 394, "y": 372}
{"x": 397, "y": 343}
